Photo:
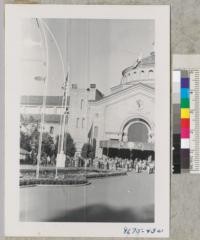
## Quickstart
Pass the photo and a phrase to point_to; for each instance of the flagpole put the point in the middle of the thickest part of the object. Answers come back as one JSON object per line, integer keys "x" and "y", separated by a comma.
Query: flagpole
{"x": 61, "y": 156}
{"x": 108, "y": 147}
{"x": 65, "y": 112}
{"x": 63, "y": 123}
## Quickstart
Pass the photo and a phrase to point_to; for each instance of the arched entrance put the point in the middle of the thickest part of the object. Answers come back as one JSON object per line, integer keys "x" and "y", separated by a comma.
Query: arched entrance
{"x": 135, "y": 142}
{"x": 137, "y": 135}
{"x": 138, "y": 132}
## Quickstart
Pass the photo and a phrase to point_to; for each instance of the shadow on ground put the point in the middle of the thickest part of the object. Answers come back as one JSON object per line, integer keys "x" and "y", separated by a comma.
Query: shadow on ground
{"x": 103, "y": 213}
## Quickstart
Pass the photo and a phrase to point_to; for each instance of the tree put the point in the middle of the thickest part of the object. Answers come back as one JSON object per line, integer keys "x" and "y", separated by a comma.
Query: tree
{"x": 35, "y": 135}
{"x": 25, "y": 141}
{"x": 48, "y": 145}
{"x": 69, "y": 145}
{"x": 88, "y": 151}
{"x": 30, "y": 142}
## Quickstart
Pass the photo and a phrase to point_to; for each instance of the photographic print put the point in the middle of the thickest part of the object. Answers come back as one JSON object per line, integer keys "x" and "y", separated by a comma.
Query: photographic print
{"x": 88, "y": 133}
{"x": 103, "y": 137}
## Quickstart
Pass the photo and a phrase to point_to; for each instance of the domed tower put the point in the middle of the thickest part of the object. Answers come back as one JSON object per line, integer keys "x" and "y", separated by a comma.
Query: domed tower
{"x": 142, "y": 71}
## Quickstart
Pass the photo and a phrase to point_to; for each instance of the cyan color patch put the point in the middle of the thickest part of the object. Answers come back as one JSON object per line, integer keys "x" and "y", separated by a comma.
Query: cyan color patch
{"x": 184, "y": 92}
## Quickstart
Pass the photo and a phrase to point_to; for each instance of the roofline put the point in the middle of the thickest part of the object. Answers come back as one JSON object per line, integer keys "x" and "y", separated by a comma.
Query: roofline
{"x": 123, "y": 90}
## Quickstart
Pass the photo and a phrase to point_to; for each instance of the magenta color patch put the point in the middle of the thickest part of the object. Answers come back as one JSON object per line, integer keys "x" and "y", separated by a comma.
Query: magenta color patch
{"x": 185, "y": 132}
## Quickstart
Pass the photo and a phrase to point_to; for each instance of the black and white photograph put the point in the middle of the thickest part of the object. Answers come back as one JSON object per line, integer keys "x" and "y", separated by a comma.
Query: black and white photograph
{"x": 88, "y": 135}
{"x": 100, "y": 141}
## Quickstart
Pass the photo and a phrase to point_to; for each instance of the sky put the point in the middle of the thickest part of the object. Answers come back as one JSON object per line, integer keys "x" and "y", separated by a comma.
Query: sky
{"x": 93, "y": 51}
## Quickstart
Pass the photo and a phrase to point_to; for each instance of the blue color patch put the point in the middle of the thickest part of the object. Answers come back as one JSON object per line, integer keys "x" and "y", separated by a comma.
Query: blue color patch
{"x": 184, "y": 92}
{"x": 185, "y": 82}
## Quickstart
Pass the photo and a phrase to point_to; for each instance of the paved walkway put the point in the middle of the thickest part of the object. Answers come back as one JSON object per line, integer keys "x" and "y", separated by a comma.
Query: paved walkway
{"x": 118, "y": 199}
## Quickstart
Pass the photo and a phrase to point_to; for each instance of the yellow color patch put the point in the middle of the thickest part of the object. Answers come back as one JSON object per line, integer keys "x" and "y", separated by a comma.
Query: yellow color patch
{"x": 185, "y": 113}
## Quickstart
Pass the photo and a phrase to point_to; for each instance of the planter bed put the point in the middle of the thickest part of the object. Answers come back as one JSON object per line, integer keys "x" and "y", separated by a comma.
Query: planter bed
{"x": 28, "y": 176}
{"x": 103, "y": 174}
{"x": 53, "y": 181}
{"x": 44, "y": 170}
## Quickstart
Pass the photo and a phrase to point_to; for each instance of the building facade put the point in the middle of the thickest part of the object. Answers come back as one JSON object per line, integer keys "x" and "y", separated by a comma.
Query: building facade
{"x": 117, "y": 124}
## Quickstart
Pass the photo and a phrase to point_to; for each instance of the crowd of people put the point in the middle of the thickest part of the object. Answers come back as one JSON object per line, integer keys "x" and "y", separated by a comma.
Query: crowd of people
{"x": 108, "y": 163}
{"x": 103, "y": 163}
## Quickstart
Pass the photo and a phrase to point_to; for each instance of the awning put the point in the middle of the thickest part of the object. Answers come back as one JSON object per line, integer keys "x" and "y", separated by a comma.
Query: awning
{"x": 127, "y": 145}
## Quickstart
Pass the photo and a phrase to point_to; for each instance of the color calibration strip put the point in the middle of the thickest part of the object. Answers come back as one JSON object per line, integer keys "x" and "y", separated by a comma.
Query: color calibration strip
{"x": 195, "y": 121}
{"x": 186, "y": 113}
{"x": 185, "y": 120}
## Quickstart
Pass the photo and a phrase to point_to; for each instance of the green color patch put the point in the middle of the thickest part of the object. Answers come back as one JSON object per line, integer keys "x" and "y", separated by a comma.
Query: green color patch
{"x": 185, "y": 103}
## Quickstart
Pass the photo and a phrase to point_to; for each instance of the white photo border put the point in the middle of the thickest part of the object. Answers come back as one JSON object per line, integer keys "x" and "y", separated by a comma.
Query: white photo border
{"x": 161, "y": 15}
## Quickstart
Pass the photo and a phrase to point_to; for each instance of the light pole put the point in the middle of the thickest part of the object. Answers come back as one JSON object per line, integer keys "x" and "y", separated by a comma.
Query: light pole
{"x": 61, "y": 156}
{"x": 45, "y": 79}
{"x": 42, "y": 26}
{"x": 39, "y": 78}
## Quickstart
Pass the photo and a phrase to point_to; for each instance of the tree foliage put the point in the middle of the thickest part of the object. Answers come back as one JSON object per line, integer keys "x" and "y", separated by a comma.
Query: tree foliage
{"x": 29, "y": 141}
{"x": 69, "y": 145}
{"x": 30, "y": 137}
{"x": 48, "y": 145}
{"x": 88, "y": 151}
{"x": 25, "y": 141}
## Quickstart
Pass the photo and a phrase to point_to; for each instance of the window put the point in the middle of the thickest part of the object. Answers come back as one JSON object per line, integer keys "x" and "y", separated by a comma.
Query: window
{"x": 51, "y": 130}
{"x": 55, "y": 110}
{"x": 67, "y": 119}
{"x": 134, "y": 75}
{"x": 77, "y": 122}
{"x": 151, "y": 75}
{"x": 142, "y": 73}
{"x": 95, "y": 132}
{"x": 82, "y": 103}
{"x": 68, "y": 100}
{"x": 83, "y": 122}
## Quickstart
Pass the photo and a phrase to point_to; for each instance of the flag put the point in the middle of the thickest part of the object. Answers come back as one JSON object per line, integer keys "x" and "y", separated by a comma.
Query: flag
{"x": 64, "y": 87}
{"x": 90, "y": 134}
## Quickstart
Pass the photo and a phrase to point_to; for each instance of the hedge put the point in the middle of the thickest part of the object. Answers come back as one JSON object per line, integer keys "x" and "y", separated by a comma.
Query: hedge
{"x": 65, "y": 176}
{"x": 47, "y": 181}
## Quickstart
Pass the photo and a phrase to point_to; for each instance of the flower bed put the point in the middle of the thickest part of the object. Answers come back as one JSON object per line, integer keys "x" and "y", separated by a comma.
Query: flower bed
{"x": 44, "y": 170}
{"x": 78, "y": 179}
{"x": 65, "y": 176}
{"x": 50, "y": 171}
{"x": 105, "y": 174}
